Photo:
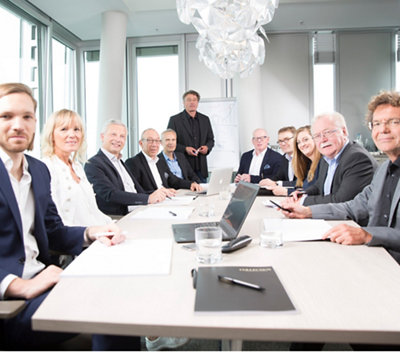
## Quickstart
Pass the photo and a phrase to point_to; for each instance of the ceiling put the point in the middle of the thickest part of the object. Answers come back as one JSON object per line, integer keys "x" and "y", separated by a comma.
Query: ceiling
{"x": 159, "y": 17}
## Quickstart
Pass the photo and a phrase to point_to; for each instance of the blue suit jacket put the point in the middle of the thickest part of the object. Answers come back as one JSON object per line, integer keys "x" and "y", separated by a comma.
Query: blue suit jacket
{"x": 49, "y": 231}
{"x": 269, "y": 167}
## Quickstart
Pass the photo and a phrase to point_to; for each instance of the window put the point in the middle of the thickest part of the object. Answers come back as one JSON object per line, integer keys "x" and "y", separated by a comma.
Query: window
{"x": 398, "y": 61}
{"x": 157, "y": 86}
{"x": 63, "y": 76}
{"x": 19, "y": 56}
{"x": 324, "y": 72}
{"x": 92, "y": 67}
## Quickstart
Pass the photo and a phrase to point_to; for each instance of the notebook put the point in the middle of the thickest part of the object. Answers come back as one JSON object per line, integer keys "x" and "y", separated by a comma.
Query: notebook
{"x": 232, "y": 220}
{"x": 215, "y": 295}
{"x": 220, "y": 179}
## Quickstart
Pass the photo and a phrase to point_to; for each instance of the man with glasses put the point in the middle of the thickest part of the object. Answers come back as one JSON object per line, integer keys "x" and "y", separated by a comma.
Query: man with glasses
{"x": 285, "y": 176}
{"x": 195, "y": 137}
{"x": 261, "y": 162}
{"x": 117, "y": 190}
{"x": 346, "y": 167}
{"x": 150, "y": 173}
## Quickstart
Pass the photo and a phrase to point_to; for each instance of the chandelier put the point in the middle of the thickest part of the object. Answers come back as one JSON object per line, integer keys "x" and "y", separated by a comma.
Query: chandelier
{"x": 228, "y": 41}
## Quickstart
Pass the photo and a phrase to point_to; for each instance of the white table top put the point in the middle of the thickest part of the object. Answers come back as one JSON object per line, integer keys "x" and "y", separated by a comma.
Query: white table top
{"x": 341, "y": 293}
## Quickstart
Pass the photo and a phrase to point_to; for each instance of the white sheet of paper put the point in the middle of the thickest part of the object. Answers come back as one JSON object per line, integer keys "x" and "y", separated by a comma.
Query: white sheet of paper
{"x": 301, "y": 229}
{"x": 178, "y": 200}
{"x": 181, "y": 213}
{"x": 132, "y": 257}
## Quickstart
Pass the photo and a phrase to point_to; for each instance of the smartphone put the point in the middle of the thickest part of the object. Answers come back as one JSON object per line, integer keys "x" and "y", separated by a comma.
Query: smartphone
{"x": 280, "y": 207}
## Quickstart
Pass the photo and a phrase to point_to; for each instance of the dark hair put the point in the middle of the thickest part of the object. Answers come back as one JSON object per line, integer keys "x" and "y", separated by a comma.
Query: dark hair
{"x": 193, "y": 92}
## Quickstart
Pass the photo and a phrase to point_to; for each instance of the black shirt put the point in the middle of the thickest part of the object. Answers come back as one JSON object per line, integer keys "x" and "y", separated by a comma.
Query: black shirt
{"x": 195, "y": 127}
{"x": 389, "y": 187}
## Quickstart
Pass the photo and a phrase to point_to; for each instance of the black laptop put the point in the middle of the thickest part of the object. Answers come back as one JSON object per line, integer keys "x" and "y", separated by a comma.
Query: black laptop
{"x": 232, "y": 220}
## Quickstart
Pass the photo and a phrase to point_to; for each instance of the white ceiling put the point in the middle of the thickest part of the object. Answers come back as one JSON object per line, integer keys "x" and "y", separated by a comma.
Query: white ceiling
{"x": 158, "y": 17}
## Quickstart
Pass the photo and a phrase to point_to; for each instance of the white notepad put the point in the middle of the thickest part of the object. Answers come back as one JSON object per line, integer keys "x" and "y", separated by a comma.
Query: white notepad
{"x": 132, "y": 257}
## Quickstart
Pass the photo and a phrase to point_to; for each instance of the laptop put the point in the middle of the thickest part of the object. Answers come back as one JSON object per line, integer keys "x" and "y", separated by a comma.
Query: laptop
{"x": 220, "y": 179}
{"x": 232, "y": 220}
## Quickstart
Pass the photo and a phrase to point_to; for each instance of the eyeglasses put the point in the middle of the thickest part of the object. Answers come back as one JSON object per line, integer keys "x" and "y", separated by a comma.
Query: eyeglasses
{"x": 151, "y": 141}
{"x": 393, "y": 122}
{"x": 324, "y": 134}
{"x": 284, "y": 140}
{"x": 259, "y": 139}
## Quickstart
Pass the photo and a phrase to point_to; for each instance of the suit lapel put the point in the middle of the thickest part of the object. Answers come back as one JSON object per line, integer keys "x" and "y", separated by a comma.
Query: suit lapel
{"x": 395, "y": 201}
{"x": 7, "y": 190}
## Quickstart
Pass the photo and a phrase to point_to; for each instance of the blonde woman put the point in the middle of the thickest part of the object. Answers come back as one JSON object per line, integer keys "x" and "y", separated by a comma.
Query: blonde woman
{"x": 63, "y": 150}
{"x": 305, "y": 161}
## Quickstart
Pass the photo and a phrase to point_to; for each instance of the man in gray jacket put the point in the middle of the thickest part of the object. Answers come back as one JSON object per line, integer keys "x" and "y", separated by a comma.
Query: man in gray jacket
{"x": 376, "y": 208}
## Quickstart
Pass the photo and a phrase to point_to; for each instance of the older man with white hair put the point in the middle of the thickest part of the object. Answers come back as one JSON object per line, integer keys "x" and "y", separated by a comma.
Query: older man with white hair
{"x": 346, "y": 167}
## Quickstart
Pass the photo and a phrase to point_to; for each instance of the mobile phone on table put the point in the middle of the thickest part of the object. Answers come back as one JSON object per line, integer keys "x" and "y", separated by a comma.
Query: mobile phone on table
{"x": 280, "y": 206}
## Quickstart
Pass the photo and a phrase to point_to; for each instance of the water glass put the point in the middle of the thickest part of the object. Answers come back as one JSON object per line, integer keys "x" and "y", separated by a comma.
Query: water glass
{"x": 206, "y": 209}
{"x": 271, "y": 238}
{"x": 208, "y": 244}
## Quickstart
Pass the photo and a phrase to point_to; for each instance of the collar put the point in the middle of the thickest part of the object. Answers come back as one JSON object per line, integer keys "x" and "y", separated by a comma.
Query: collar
{"x": 8, "y": 162}
{"x": 167, "y": 158}
{"x": 337, "y": 157}
{"x": 150, "y": 160}
{"x": 188, "y": 116}
{"x": 394, "y": 165}
{"x": 261, "y": 154}
{"x": 111, "y": 156}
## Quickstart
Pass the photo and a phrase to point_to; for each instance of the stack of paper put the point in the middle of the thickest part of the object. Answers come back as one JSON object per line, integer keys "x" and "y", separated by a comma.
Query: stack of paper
{"x": 132, "y": 257}
{"x": 178, "y": 200}
{"x": 299, "y": 229}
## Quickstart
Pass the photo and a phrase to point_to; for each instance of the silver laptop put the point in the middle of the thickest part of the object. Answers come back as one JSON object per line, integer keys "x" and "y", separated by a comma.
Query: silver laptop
{"x": 232, "y": 220}
{"x": 220, "y": 180}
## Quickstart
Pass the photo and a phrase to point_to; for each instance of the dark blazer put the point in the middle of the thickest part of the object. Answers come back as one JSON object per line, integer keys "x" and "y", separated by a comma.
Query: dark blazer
{"x": 49, "y": 230}
{"x": 187, "y": 171}
{"x": 107, "y": 184}
{"x": 355, "y": 171}
{"x": 139, "y": 167}
{"x": 269, "y": 167}
{"x": 181, "y": 125}
{"x": 283, "y": 174}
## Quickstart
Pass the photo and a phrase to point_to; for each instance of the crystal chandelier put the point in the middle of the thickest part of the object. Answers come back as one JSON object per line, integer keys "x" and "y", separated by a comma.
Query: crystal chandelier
{"x": 228, "y": 40}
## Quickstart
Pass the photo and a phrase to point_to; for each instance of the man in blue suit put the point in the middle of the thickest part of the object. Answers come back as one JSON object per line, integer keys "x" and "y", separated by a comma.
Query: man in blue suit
{"x": 261, "y": 162}
{"x": 30, "y": 226}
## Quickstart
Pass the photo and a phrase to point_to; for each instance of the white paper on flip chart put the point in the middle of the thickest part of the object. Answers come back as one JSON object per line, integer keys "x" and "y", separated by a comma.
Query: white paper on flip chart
{"x": 168, "y": 213}
{"x": 301, "y": 229}
{"x": 132, "y": 257}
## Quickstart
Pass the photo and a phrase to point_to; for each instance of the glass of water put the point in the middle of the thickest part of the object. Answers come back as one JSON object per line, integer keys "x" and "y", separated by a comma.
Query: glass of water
{"x": 208, "y": 244}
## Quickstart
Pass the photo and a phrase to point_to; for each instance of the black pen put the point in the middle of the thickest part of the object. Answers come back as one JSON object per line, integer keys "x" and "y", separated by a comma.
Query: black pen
{"x": 230, "y": 280}
{"x": 279, "y": 206}
{"x": 171, "y": 212}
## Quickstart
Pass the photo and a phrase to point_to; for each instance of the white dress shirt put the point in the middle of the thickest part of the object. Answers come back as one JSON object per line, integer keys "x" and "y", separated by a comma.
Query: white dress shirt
{"x": 256, "y": 161}
{"x": 153, "y": 168}
{"x": 76, "y": 202}
{"x": 26, "y": 205}
{"x": 129, "y": 185}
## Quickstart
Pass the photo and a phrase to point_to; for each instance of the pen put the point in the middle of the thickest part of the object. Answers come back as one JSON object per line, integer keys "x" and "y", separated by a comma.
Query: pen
{"x": 230, "y": 280}
{"x": 171, "y": 212}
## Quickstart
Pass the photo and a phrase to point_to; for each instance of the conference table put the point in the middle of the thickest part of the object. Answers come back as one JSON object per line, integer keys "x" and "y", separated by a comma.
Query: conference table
{"x": 342, "y": 294}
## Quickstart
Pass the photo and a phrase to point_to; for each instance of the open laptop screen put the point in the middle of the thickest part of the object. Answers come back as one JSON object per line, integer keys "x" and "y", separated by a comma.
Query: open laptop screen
{"x": 238, "y": 208}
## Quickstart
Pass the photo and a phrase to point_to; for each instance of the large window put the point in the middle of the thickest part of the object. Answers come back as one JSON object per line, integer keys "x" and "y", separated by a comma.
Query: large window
{"x": 324, "y": 72}
{"x": 92, "y": 67}
{"x": 19, "y": 56}
{"x": 398, "y": 61}
{"x": 63, "y": 76}
{"x": 157, "y": 86}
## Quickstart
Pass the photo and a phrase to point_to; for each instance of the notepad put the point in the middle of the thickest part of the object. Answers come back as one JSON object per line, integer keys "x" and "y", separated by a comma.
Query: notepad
{"x": 178, "y": 200}
{"x": 132, "y": 257}
{"x": 168, "y": 213}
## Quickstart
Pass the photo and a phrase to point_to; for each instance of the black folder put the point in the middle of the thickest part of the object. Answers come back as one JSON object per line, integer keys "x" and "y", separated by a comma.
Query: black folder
{"x": 213, "y": 295}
